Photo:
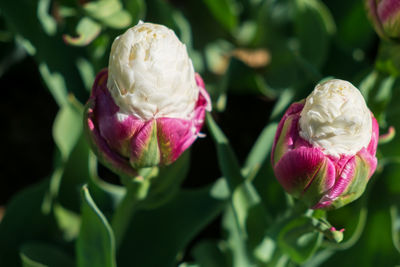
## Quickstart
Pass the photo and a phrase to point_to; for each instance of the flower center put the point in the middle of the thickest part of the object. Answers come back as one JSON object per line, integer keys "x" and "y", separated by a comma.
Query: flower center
{"x": 151, "y": 74}
{"x": 336, "y": 119}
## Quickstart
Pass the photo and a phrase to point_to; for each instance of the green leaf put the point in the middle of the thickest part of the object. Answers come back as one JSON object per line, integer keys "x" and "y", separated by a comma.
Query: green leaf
{"x": 56, "y": 83}
{"x": 55, "y": 58}
{"x": 314, "y": 44}
{"x": 395, "y": 216}
{"x": 250, "y": 218}
{"x": 137, "y": 9}
{"x": 102, "y": 8}
{"x": 353, "y": 219}
{"x": 36, "y": 254}
{"x": 235, "y": 239}
{"x": 87, "y": 30}
{"x": 67, "y": 128}
{"x": 95, "y": 244}
{"x": 169, "y": 228}
{"x": 118, "y": 20}
{"x": 49, "y": 24}
{"x": 24, "y": 207}
{"x": 285, "y": 98}
{"x": 260, "y": 150}
{"x": 68, "y": 222}
{"x": 167, "y": 183}
{"x": 210, "y": 253}
{"x": 299, "y": 239}
{"x": 225, "y": 11}
{"x": 367, "y": 84}
{"x": 226, "y": 157}
{"x": 87, "y": 72}
{"x": 109, "y": 12}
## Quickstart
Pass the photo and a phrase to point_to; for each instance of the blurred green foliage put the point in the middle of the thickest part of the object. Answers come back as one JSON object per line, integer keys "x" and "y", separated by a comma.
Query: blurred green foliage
{"x": 273, "y": 51}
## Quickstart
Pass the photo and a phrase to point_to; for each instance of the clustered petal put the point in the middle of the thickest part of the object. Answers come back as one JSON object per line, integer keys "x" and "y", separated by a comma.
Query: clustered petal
{"x": 147, "y": 108}
{"x": 385, "y": 16}
{"x": 307, "y": 171}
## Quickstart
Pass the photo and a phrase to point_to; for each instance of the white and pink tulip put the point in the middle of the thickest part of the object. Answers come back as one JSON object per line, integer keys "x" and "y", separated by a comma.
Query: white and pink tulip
{"x": 148, "y": 107}
{"x": 324, "y": 148}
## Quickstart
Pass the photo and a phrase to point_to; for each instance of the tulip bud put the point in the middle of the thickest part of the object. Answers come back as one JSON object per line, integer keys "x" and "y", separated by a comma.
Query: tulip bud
{"x": 324, "y": 148}
{"x": 149, "y": 106}
{"x": 385, "y": 16}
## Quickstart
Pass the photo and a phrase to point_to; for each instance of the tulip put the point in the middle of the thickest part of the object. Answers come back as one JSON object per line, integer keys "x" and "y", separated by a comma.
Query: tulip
{"x": 324, "y": 148}
{"x": 385, "y": 16}
{"x": 149, "y": 106}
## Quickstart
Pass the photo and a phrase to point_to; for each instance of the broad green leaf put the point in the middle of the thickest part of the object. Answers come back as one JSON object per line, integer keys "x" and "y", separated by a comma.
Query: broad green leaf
{"x": 265, "y": 250}
{"x": 210, "y": 253}
{"x": 260, "y": 150}
{"x": 109, "y": 12}
{"x": 56, "y": 84}
{"x": 169, "y": 228}
{"x": 49, "y": 24}
{"x": 137, "y": 9}
{"x": 67, "y": 128}
{"x": 26, "y": 206}
{"x": 367, "y": 84}
{"x": 87, "y": 72}
{"x": 313, "y": 14}
{"x": 86, "y": 30}
{"x": 68, "y": 222}
{"x": 55, "y": 58}
{"x": 226, "y": 157}
{"x": 385, "y": 90}
{"x": 395, "y": 216}
{"x": 12, "y": 55}
{"x": 353, "y": 219}
{"x": 167, "y": 183}
{"x": 185, "y": 33}
{"x": 235, "y": 240}
{"x": 285, "y": 98}
{"x": 299, "y": 239}
{"x": 36, "y": 254}
{"x": 249, "y": 215}
{"x": 118, "y": 20}
{"x": 95, "y": 245}
{"x": 225, "y": 12}
{"x": 102, "y": 8}
{"x": 216, "y": 54}
{"x": 388, "y": 58}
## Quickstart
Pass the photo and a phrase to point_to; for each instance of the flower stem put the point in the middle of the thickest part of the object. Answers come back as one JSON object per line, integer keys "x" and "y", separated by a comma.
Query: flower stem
{"x": 136, "y": 191}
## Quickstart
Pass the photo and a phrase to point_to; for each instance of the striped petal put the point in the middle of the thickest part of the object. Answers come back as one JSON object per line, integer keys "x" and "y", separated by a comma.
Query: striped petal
{"x": 306, "y": 173}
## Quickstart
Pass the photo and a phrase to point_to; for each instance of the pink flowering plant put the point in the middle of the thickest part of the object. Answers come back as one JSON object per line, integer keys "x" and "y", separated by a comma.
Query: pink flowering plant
{"x": 222, "y": 133}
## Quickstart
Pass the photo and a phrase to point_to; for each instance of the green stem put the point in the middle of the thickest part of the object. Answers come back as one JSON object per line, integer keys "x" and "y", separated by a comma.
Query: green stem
{"x": 136, "y": 191}
{"x": 123, "y": 215}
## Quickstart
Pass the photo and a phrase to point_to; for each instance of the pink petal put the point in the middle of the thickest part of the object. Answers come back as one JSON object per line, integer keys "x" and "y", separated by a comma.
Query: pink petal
{"x": 291, "y": 130}
{"x": 388, "y": 9}
{"x": 175, "y": 136}
{"x": 302, "y": 168}
{"x": 105, "y": 154}
{"x": 373, "y": 144}
{"x": 145, "y": 151}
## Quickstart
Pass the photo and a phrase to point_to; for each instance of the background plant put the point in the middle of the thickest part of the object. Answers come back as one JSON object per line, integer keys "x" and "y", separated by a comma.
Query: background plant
{"x": 256, "y": 57}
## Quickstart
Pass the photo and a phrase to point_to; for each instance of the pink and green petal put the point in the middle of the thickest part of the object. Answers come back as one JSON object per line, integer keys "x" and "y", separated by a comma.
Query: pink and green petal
{"x": 371, "y": 6}
{"x": 373, "y": 144}
{"x": 304, "y": 169}
{"x": 175, "y": 136}
{"x": 356, "y": 185}
{"x": 389, "y": 15}
{"x": 145, "y": 150}
{"x": 286, "y": 139}
{"x": 104, "y": 153}
{"x": 287, "y": 128}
